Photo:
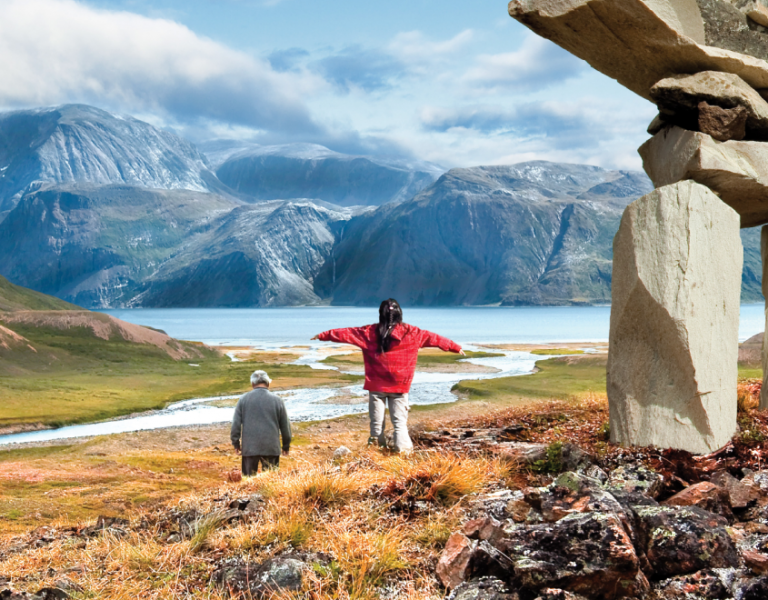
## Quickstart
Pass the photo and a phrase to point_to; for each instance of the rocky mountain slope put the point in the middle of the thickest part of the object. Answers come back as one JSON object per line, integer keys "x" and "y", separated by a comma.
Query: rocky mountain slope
{"x": 533, "y": 233}
{"x": 83, "y": 145}
{"x": 313, "y": 171}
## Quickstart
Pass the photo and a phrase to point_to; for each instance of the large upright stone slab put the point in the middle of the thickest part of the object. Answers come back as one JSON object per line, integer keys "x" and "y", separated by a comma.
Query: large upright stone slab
{"x": 737, "y": 171}
{"x": 640, "y": 42}
{"x": 675, "y": 321}
{"x": 764, "y": 257}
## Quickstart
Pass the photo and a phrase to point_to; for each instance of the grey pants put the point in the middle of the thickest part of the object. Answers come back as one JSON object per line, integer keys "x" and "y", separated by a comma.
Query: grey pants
{"x": 251, "y": 464}
{"x": 398, "y": 414}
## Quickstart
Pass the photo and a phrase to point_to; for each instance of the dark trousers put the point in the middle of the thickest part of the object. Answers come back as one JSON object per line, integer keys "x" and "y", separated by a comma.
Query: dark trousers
{"x": 251, "y": 464}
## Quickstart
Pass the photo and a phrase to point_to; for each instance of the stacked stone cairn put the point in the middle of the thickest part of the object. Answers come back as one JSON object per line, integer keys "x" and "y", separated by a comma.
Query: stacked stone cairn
{"x": 672, "y": 366}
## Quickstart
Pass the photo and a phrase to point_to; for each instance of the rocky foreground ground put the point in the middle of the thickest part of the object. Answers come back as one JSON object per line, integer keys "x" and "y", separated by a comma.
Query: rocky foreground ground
{"x": 527, "y": 503}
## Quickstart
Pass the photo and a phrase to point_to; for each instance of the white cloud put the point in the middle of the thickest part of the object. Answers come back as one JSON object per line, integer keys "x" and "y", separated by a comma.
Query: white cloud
{"x": 537, "y": 64}
{"x": 414, "y": 48}
{"x": 57, "y": 51}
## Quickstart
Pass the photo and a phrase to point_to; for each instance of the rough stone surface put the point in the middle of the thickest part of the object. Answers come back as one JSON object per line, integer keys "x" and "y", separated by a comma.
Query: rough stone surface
{"x": 278, "y": 574}
{"x": 703, "y": 585}
{"x": 679, "y": 96}
{"x": 737, "y": 171}
{"x": 723, "y": 124}
{"x": 756, "y": 11}
{"x": 757, "y": 562}
{"x": 341, "y": 452}
{"x": 584, "y": 553}
{"x": 739, "y": 495}
{"x": 705, "y": 495}
{"x": 764, "y": 256}
{"x": 454, "y": 561}
{"x": 673, "y": 348}
{"x": 556, "y": 594}
{"x": 635, "y": 479}
{"x": 485, "y": 588}
{"x": 678, "y": 541}
{"x": 640, "y": 42}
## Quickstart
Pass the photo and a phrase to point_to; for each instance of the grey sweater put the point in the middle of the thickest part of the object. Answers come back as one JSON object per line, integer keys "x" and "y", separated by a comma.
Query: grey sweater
{"x": 262, "y": 418}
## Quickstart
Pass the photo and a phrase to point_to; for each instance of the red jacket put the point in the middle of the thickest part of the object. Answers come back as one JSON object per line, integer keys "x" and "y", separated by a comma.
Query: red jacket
{"x": 390, "y": 372}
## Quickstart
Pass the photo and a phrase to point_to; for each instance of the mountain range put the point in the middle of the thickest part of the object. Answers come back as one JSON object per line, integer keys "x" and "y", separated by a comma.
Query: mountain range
{"x": 109, "y": 211}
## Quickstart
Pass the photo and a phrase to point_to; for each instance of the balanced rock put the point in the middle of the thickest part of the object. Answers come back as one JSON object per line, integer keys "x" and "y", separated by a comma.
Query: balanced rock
{"x": 755, "y": 10}
{"x": 737, "y": 171}
{"x": 672, "y": 363}
{"x": 640, "y": 42}
{"x": 679, "y": 96}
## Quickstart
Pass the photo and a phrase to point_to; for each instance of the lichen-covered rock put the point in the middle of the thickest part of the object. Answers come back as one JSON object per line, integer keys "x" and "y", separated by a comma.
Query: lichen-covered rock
{"x": 588, "y": 553}
{"x": 574, "y": 493}
{"x": 485, "y": 588}
{"x": 705, "y": 495}
{"x": 735, "y": 170}
{"x": 555, "y": 594}
{"x": 635, "y": 478}
{"x": 677, "y": 541}
{"x": 261, "y": 580}
{"x": 704, "y": 585}
{"x": 486, "y": 528}
{"x": 672, "y": 364}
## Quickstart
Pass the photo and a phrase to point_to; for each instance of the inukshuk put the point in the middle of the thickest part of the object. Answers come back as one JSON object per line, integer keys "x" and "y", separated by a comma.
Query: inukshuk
{"x": 672, "y": 365}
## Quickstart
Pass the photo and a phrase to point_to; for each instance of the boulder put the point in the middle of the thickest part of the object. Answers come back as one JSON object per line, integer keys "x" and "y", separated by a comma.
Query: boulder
{"x": 723, "y": 124}
{"x": 673, "y": 346}
{"x": 585, "y": 553}
{"x": 454, "y": 561}
{"x": 756, "y": 11}
{"x": 574, "y": 493}
{"x": 678, "y": 541}
{"x": 736, "y": 171}
{"x": 635, "y": 479}
{"x": 485, "y": 588}
{"x": 739, "y": 495}
{"x": 679, "y": 96}
{"x": 275, "y": 575}
{"x": 706, "y": 584}
{"x": 640, "y": 42}
{"x": 705, "y": 495}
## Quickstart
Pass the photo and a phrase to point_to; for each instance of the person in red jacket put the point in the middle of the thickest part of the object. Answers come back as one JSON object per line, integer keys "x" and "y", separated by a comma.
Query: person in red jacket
{"x": 390, "y": 350}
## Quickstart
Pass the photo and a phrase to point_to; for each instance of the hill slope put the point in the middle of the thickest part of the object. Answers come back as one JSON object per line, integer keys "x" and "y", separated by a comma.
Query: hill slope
{"x": 15, "y": 297}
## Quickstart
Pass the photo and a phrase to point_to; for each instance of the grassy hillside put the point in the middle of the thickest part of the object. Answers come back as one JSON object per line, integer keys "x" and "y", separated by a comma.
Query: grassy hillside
{"x": 15, "y": 297}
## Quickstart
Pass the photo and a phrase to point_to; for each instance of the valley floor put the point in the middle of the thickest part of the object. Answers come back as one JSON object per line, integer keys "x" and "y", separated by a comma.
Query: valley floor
{"x": 382, "y": 519}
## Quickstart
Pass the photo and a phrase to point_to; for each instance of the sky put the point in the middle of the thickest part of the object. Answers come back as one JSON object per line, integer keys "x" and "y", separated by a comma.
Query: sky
{"x": 456, "y": 83}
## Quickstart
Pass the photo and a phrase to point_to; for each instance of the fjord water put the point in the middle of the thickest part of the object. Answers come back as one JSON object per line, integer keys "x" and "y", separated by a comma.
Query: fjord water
{"x": 295, "y": 326}
{"x": 276, "y": 327}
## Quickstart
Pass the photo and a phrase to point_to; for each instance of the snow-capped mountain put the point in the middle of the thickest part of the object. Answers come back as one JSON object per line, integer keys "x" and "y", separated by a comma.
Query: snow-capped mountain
{"x": 314, "y": 171}
{"x": 83, "y": 145}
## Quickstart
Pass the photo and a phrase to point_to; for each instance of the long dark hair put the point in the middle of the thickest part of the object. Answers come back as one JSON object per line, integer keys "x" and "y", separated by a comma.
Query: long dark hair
{"x": 390, "y": 314}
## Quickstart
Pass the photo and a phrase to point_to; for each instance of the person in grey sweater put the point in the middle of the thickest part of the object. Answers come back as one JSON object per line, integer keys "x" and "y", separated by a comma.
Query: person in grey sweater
{"x": 260, "y": 420}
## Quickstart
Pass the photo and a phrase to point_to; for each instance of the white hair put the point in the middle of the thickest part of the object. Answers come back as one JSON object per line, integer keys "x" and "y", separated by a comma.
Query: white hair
{"x": 258, "y": 377}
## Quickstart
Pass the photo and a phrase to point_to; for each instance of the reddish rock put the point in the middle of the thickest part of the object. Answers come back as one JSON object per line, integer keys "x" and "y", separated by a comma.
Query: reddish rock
{"x": 723, "y": 124}
{"x": 705, "y": 495}
{"x": 681, "y": 540}
{"x": 235, "y": 476}
{"x": 741, "y": 495}
{"x": 521, "y": 512}
{"x": 704, "y": 585}
{"x": 486, "y": 528}
{"x": 757, "y": 482}
{"x": 574, "y": 493}
{"x": 755, "y": 561}
{"x": 453, "y": 563}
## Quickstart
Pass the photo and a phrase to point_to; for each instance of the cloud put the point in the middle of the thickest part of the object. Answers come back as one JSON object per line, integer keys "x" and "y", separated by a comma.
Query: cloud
{"x": 358, "y": 67}
{"x": 288, "y": 59}
{"x": 577, "y": 124}
{"x": 57, "y": 51}
{"x": 413, "y": 47}
{"x": 537, "y": 64}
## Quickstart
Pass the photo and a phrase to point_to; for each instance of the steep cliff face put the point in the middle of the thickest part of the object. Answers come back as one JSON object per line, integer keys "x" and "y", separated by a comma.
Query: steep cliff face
{"x": 78, "y": 144}
{"x": 263, "y": 255}
{"x": 312, "y": 171}
{"x": 536, "y": 233}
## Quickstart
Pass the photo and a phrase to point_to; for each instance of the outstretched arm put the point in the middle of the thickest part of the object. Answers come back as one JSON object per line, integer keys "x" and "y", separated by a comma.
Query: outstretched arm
{"x": 432, "y": 340}
{"x": 349, "y": 335}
